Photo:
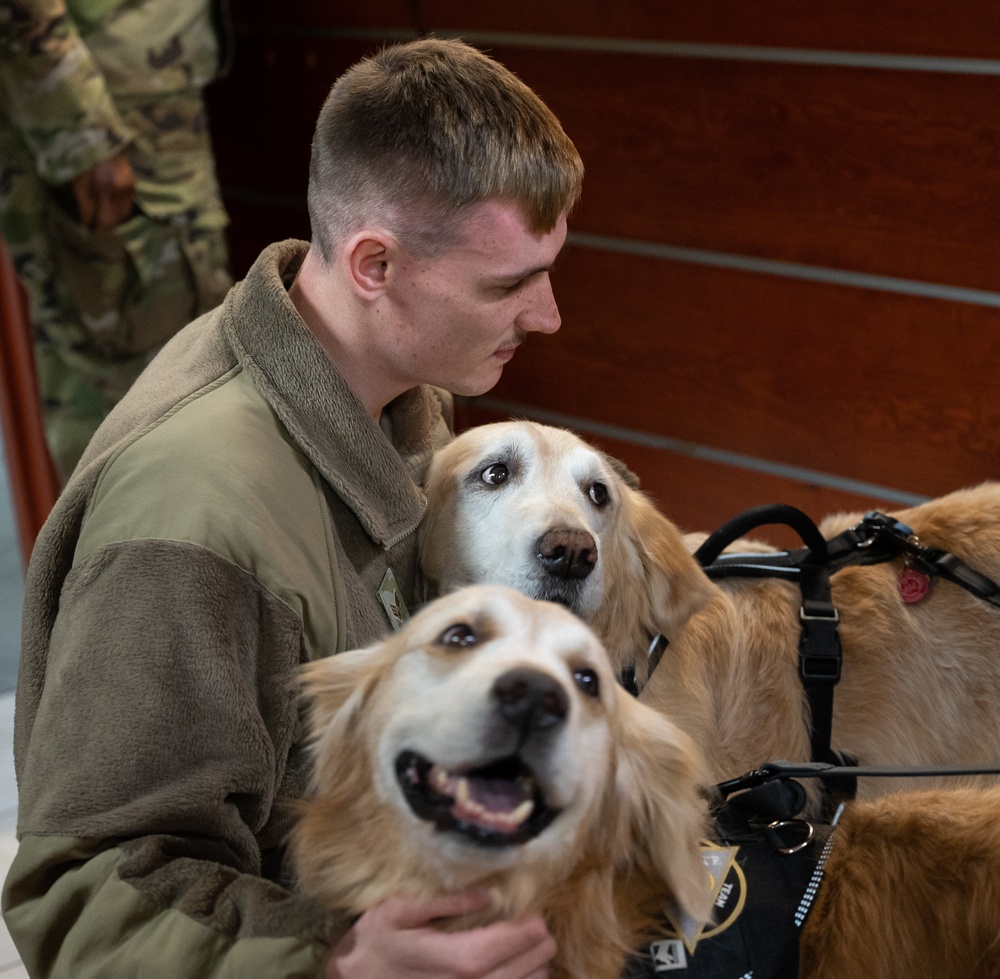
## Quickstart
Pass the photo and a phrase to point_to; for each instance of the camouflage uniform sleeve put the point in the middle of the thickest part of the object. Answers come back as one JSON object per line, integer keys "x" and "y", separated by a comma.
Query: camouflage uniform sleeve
{"x": 55, "y": 93}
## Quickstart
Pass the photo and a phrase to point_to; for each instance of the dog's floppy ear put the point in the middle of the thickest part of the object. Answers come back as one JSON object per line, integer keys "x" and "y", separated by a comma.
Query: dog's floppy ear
{"x": 655, "y": 583}
{"x": 677, "y": 585}
{"x": 659, "y": 812}
{"x": 335, "y": 689}
{"x": 328, "y": 683}
{"x": 629, "y": 478}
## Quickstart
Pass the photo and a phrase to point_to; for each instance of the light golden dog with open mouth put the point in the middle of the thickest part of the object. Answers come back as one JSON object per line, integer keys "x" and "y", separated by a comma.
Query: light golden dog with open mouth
{"x": 488, "y": 744}
{"x": 536, "y": 508}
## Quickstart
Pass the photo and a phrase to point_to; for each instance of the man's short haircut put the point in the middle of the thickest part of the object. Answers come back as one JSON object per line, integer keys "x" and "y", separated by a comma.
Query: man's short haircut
{"x": 413, "y": 135}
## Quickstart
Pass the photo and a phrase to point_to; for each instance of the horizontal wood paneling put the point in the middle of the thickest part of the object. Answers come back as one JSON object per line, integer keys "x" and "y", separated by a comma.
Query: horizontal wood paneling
{"x": 924, "y": 27}
{"x": 884, "y": 172}
{"x": 887, "y": 389}
{"x": 699, "y": 495}
{"x": 871, "y": 171}
{"x": 971, "y": 29}
{"x": 263, "y": 113}
{"x": 391, "y": 14}
{"x": 254, "y": 225}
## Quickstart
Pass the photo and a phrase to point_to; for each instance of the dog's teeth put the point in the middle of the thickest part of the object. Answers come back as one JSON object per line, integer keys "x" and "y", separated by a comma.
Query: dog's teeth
{"x": 462, "y": 794}
{"x": 439, "y": 779}
{"x": 522, "y": 812}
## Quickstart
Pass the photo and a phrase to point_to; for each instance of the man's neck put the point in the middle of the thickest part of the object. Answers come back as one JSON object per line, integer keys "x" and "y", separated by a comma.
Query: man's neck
{"x": 338, "y": 321}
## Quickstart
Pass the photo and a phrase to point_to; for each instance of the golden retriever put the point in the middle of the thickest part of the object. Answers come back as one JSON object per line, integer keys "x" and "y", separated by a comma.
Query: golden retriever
{"x": 536, "y": 508}
{"x": 487, "y": 744}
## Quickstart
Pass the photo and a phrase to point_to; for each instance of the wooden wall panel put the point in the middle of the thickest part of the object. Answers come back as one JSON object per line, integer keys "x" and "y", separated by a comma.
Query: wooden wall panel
{"x": 902, "y": 27}
{"x": 323, "y": 15}
{"x": 263, "y": 114}
{"x": 262, "y": 118}
{"x": 889, "y": 389}
{"x": 913, "y": 27}
{"x": 803, "y": 163}
{"x": 809, "y": 164}
{"x": 255, "y": 224}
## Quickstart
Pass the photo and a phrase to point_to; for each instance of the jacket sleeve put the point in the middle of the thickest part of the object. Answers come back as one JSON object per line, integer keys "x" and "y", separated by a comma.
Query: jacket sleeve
{"x": 158, "y": 776}
{"x": 55, "y": 93}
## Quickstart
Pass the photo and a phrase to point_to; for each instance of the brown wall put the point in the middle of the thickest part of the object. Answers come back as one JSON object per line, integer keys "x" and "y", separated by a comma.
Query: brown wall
{"x": 783, "y": 280}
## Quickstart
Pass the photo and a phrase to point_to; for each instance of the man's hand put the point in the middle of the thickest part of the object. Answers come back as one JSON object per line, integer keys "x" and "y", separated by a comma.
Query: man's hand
{"x": 105, "y": 193}
{"x": 397, "y": 939}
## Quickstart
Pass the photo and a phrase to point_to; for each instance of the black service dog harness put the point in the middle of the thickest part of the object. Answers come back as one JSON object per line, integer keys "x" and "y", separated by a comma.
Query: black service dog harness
{"x": 765, "y": 871}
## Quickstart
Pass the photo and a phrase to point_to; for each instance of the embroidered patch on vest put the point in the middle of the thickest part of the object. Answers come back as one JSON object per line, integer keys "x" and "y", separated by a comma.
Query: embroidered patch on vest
{"x": 729, "y": 893}
{"x": 392, "y": 601}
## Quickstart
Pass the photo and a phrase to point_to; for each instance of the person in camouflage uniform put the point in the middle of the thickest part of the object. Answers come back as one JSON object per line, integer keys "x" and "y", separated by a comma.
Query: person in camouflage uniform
{"x": 109, "y": 203}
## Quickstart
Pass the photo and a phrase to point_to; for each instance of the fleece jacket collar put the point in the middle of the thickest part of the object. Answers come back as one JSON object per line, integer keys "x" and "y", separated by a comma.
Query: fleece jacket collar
{"x": 293, "y": 373}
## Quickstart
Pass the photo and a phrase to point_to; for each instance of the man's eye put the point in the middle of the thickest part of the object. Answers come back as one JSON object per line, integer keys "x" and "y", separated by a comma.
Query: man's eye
{"x": 495, "y": 475}
{"x": 460, "y": 635}
{"x": 598, "y": 494}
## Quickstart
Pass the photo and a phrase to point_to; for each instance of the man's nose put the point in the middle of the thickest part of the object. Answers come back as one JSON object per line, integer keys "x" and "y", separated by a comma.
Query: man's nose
{"x": 541, "y": 314}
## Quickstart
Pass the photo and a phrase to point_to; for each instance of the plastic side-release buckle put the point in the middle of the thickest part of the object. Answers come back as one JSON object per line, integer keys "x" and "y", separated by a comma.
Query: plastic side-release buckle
{"x": 819, "y": 651}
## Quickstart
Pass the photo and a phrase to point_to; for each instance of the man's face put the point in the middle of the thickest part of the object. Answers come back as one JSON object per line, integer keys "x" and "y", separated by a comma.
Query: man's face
{"x": 459, "y": 317}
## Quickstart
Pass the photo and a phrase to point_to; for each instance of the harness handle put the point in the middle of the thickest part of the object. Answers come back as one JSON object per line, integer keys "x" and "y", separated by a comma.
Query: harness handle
{"x": 758, "y": 516}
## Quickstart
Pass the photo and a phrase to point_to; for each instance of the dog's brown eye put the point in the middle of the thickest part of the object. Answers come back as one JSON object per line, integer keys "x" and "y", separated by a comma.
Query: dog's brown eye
{"x": 495, "y": 474}
{"x": 460, "y": 635}
{"x": 599, "y": 494}
{"x": 588, "y": 682}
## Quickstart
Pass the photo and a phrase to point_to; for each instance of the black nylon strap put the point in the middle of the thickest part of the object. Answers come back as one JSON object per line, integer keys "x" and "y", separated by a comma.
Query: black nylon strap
{"x": 796, "y": 769}
{"x": 820, "y": 655}
{"x": 957, "y": 571}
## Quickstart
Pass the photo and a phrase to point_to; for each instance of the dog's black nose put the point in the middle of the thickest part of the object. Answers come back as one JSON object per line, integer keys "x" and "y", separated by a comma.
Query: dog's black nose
{"x": 567, "y": 553}
{"x": 530, "y": 700}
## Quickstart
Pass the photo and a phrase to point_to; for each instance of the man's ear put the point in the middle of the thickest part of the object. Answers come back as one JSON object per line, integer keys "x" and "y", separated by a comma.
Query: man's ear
{"x": 369, "y": 255}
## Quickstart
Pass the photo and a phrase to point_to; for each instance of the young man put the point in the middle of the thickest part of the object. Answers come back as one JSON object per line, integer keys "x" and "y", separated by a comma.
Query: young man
{"x": 252, "y": 503}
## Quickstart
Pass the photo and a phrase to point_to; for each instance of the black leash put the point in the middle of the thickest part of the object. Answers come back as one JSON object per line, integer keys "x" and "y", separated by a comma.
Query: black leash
{"x": 773, "y": 771}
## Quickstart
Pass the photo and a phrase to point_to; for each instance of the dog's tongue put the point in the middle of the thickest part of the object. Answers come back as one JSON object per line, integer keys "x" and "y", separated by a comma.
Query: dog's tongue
{"x": 497, "y": 794}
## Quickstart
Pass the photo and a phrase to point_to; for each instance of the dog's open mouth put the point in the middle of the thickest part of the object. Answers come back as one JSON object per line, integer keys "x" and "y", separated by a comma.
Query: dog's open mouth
{"x": 499, "y": 804}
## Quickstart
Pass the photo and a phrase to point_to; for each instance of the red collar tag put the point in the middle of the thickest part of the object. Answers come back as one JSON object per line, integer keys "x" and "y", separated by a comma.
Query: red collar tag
{"x": 913, "y": 585}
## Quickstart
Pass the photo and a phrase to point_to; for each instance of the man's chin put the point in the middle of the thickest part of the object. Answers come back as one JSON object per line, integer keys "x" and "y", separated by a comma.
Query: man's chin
{"x": 474, "y": 387}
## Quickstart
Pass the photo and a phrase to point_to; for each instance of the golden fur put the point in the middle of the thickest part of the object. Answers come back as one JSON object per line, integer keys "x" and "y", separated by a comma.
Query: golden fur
{"x": 920, "y": 684}
{"x": 911, "y": 890}
{"x": 625, "y": 780}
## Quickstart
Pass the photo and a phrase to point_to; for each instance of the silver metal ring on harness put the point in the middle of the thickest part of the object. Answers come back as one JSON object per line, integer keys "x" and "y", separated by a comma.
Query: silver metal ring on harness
{"x": 781, "y": 823}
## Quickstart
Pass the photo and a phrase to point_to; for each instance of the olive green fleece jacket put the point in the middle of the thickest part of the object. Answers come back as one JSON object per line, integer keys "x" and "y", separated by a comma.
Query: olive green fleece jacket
{"x": 232, "y": 518}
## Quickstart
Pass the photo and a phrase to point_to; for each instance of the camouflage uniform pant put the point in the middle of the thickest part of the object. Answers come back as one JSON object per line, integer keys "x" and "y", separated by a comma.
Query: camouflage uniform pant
{"x": 103, "y": 302}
